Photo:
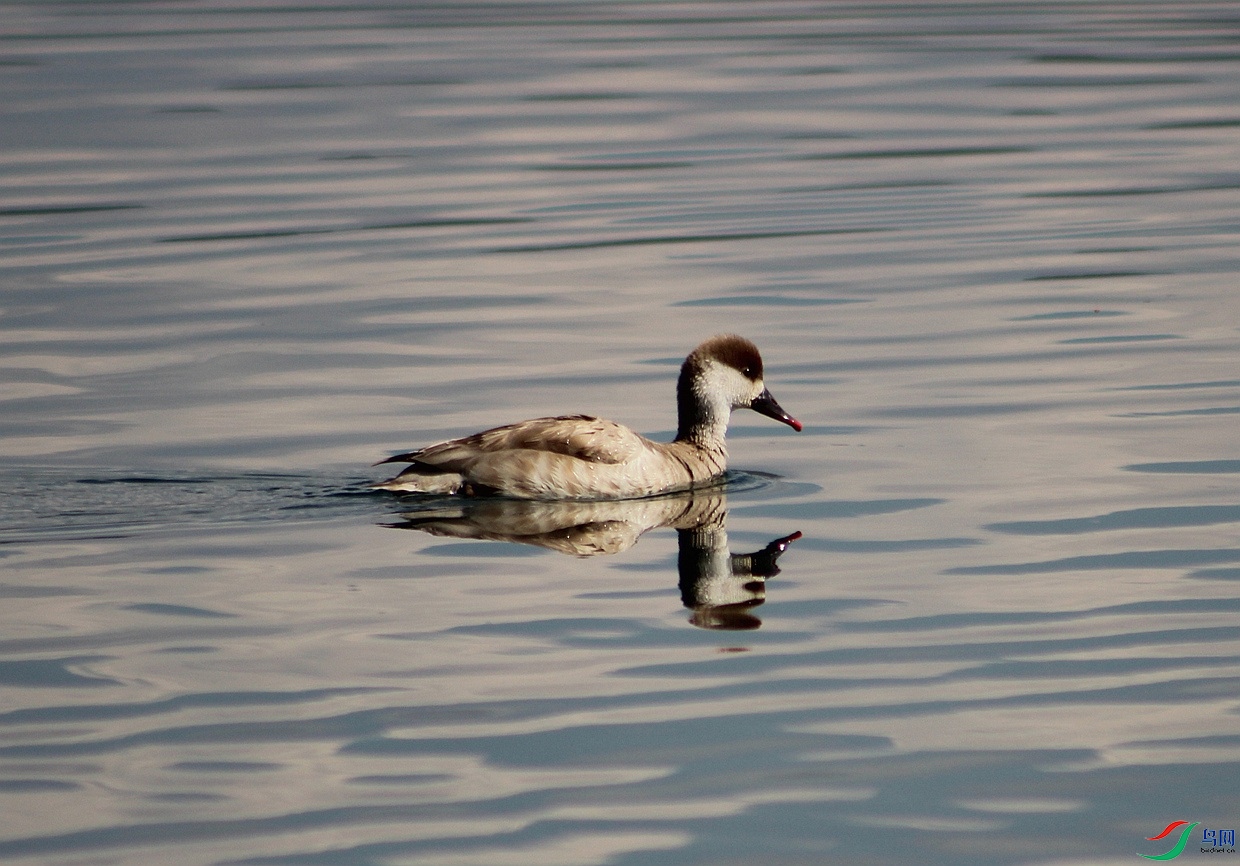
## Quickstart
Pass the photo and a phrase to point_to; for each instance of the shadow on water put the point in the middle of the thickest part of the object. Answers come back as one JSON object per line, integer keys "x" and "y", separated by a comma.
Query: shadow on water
{"x": 720, "y": 587}
{"x": 59, "y": 504}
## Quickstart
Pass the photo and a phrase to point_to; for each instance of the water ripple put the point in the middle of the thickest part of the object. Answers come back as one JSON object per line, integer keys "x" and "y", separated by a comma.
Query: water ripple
{"x": 988, "y": 252}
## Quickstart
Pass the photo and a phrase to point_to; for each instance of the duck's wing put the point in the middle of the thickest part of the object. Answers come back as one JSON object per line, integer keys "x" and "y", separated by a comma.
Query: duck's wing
{"x": 582, "y": 437}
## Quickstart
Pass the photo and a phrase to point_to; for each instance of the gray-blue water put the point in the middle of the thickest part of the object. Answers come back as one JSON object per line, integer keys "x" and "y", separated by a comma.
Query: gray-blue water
{"x": 989, "y": 251}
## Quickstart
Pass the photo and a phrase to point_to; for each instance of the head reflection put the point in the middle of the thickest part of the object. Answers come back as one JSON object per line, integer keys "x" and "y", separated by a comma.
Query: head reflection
{"x": 720, "y": 588}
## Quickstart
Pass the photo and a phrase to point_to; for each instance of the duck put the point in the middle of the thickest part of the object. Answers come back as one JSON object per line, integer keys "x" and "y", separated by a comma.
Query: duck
{"x": 582, "y": 457}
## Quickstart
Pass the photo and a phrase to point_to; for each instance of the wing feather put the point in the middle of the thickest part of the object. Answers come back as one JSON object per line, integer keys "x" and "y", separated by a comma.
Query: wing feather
{"x": 581, "y": 437}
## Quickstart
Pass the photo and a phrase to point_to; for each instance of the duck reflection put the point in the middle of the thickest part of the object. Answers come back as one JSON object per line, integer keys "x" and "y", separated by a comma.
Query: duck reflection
{"x": 720, "y": 588}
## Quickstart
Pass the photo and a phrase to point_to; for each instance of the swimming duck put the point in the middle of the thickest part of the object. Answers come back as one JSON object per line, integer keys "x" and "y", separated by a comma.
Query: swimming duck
{"x": 583, "y": 457}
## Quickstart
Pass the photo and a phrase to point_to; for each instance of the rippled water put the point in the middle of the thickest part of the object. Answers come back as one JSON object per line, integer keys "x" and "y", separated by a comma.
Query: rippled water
{"x": 983, "y": 610}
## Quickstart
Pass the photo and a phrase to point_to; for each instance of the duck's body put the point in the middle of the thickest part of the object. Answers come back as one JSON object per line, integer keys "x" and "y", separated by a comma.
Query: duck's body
{"x": 583, "y": 457}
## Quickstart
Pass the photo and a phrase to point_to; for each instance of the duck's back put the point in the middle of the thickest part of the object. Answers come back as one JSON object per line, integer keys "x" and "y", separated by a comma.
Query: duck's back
{"x": 580, "y": 437}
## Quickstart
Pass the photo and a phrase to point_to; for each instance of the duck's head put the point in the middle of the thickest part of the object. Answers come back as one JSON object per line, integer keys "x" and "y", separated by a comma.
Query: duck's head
{"x": 727, "y": 370}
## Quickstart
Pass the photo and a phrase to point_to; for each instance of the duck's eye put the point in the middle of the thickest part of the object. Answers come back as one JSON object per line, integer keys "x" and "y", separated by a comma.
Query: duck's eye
{"x": 748, "y": 372}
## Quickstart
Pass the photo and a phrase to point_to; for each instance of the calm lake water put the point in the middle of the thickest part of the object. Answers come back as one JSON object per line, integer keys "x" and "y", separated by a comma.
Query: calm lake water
{"x": 989, "y": 251}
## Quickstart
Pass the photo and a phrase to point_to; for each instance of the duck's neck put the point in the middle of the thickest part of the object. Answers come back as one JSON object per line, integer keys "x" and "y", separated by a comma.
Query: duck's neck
{"x": 702, "y": 419}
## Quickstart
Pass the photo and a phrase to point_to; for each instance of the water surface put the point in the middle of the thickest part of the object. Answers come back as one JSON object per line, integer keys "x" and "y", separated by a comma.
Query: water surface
{"x": 989, "y": 252}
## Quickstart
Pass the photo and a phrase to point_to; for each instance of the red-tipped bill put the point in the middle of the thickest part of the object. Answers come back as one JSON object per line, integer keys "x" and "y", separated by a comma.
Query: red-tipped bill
{"x": 764, "y": 404}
